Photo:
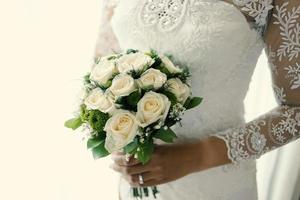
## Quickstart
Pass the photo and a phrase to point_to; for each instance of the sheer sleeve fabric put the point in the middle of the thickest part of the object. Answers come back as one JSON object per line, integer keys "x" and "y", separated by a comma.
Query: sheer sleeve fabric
{"x": 281, "y": 125}
{"x": 107, "y": 42}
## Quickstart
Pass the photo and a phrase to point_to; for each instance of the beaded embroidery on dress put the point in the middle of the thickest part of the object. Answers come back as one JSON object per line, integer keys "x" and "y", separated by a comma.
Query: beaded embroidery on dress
{"x": 221, "y": 41}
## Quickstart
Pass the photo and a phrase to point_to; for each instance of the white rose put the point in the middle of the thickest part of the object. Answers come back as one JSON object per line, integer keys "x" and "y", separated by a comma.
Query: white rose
{"x": 120, "y": 129}
{"x": 152, "y": 78}
{"x": 151, "y": 108}
{"x": 169, "y": 65}
{"x": 122, "y": 85}
{"x": 104, "y": 71}
{"x": 179, "y": 89}
{"x": 134, "y": 61}
{"x": 98, "y": 100}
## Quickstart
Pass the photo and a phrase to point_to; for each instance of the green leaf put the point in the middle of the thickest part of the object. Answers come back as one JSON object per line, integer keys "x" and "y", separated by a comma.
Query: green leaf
{"x": 194, "y": 102}
{"x": 74, "y": 123}
{"x": 131, "y": 147}
{"x": 170, "y": 96}
{"x": 165, "y": 135}
{"x": 100, "y": 151}
{"x": 145, "y": 151}
{"x": 86, "y": 79}
{"x": 134, "y": 98}
{"x": 187, "y": 102}
{"x": 94, "y": 142}
{"x": 129, "y": 51}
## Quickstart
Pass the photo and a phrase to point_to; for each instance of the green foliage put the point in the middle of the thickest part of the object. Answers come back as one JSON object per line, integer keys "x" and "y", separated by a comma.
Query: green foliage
{"x": 86, "y": 79}
{"x": 97, "y": 60}
{"x": 166, "y": 135}
{"x": 95, "y": 141}
{"x": 145, "y": 151}
{"x": 164, "y": 70}
{"x": 130, "y": 102}
{"x": 97, "y": 120}
{"x": 74, "y": 123}
{"x": 100, "y": 151}
{"x": 157, "y": 61}
{"x": 171, "y": 96}
{"x": 192, "y": 103}
{"x": 136, "y": 74}
{"x": 129, "y": 51}
{"x": 134, "y": 98}
{"x": 184, "y": 75}
{"x": 131, "y": 147}
{"x": 84, "y": 114}
{"x": 106, "y": 85}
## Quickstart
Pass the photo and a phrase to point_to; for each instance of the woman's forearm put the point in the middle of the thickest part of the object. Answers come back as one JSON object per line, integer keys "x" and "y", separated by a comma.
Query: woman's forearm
{"x": 251, "y": 140}
{"x": 210, "y": 152}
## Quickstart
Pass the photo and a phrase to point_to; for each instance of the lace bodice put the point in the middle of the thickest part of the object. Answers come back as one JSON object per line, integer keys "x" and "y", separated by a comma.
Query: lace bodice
{"x": 221, "y": 42}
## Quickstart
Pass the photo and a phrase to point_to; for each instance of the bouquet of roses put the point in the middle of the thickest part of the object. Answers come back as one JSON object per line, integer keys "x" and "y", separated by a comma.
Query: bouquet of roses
{"x": 131, "y": 99}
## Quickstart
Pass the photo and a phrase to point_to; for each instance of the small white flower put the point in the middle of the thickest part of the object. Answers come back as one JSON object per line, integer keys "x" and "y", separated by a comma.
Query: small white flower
{"x": 157, "y": 126}
{"x": 134, "y": 61}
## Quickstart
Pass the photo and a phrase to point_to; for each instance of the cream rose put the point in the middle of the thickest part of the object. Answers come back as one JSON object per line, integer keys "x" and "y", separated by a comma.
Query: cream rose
{"x": 134, "y": 61}
{"x": 104, "y": 71}
{"x": 122, "y": 85}
{"x": 98, "y": 100}
{"x": 152, "y": 78}
{"x": 169, "y": 65}
{"x": 153, "y": 107}
{"x": 120, "y": 129}
{"x": 179, "y": 89}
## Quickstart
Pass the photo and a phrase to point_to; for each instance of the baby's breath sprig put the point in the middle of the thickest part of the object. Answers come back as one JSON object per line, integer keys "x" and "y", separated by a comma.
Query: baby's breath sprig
{"x": 177, "y": 112}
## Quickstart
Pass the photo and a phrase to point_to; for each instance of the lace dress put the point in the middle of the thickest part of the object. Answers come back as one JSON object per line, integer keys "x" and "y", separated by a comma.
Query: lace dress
{"x": 220, "y": 41}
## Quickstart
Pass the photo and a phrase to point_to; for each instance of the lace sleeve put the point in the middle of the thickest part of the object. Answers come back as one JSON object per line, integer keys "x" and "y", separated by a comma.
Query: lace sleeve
{"x": 107, "y": 42}
{"x": 281, "y": 125}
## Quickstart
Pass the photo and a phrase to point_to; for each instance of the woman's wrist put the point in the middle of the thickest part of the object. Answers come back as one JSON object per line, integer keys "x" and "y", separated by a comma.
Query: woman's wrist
{"x": 208, "y": 153}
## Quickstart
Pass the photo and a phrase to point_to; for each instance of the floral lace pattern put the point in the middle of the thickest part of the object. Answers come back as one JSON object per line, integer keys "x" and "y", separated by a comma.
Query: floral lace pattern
{"x": 281, "y": 125}
{"x": 248, "y": 142}
{"x": 293, "y": 72}
{"x": 164, "y": 13}
{"x": 258, "y": 9}
{"x": 288, "y": 20}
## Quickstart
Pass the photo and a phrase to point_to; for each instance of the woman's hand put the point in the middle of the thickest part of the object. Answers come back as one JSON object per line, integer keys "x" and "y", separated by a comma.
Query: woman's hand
{"x": 168, "y": 163}
{"x": 171, "y": 162}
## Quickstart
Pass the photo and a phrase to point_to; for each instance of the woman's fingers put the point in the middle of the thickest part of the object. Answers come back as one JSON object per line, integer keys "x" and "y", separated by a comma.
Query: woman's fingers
{"x": 154, "y": 182}
{"x": 148, "y": 177}
{"x": 124, "y": 160}
{"x": 131, "y": 170}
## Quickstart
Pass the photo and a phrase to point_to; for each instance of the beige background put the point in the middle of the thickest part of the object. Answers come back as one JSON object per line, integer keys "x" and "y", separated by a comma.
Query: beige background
{"x": 45, "y": 47}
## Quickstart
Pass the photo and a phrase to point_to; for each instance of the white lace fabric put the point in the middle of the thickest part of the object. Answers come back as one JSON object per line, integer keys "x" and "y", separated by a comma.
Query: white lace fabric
{"x": 282, "y": 125}
{"x": 107, "y": 42}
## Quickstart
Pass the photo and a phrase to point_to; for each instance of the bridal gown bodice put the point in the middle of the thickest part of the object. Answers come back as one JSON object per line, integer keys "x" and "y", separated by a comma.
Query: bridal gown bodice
{"x": 214, "y": 39}
{"x": 221, "y": 46}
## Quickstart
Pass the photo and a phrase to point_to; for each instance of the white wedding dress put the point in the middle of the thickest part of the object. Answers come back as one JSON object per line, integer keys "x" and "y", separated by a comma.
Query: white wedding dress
{"x": 220, "y": 42}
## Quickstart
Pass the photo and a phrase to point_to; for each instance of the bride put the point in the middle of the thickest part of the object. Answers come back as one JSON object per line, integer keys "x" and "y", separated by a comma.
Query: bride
{"x": 220, "y": 40}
